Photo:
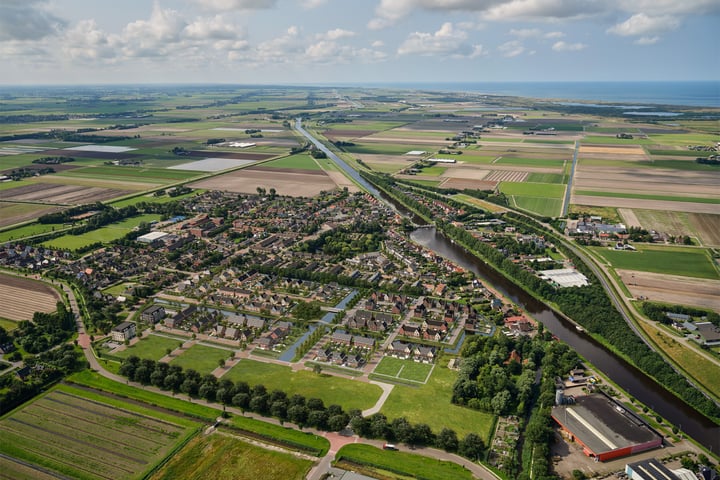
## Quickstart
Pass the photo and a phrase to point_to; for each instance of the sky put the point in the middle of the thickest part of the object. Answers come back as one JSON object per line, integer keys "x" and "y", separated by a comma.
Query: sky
{"x": 356, "y": 41}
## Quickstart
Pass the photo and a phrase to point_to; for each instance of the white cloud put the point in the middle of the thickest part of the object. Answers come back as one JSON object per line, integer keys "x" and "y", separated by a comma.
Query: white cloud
{"x": 642, "y": 24}
{"x": 86, "y": 42}
{"x": 568, "y": 47}
{"x": 228, "y": 5}
{"x": 309, "y": 4}
{"x": 526, "y": 32}
{"x": 511, "y": 49}
{"x": 338, "y": 33}
{"x": 211, "y": 27}
{"x": 554, "y": 35}
{"x": 647, "y": 40}
{"x": 377, "y": 44}
{"x": 671, "y": 7}
{"x": 27, "y": 20}
{"x": 446, "y": 41}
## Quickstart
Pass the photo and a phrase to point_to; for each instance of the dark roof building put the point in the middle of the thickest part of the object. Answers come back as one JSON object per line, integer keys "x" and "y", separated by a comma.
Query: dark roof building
{"x": 604, "y": 428}
{"x": 649, "y": 470}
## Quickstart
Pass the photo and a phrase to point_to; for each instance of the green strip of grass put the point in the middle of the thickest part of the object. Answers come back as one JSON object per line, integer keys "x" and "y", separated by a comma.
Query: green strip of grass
{"x": 306, "y": 441}
{"x": 689, "y": 262}
{"x": 528, "y": 189}
{"x": 416, "y": 466}
{"x": 301, "y": 161}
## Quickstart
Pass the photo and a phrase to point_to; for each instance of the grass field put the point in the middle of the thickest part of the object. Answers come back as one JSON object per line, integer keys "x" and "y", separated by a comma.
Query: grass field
{"x": 132, "y": 174}
{"x": 153, "y": 199}
{"x": 87, "y": 436}
{"x": 546, "y": 207}
{"x": 645, "y": 196}
{"x": 546, "y": 178}
{"x": 602, "y": 140}
{"x": 222, "y": 457}
{"x": 415, "y": 403}
{"x": 332, "y": 390}
{"x": 103, "y": 235}
{"x": 284, "y": 435}
{"x": 689, "y": 262}
{"x": 301, "y": 161}
{"x": 386, "y": 149}
{"x": 406, "y": 464}
{"x": 476, "y": 158}
{"x": 403, "y": 369}
{"x": 153, "y": 347}
{"x": 201, "y": 358}
{"x": 432, "y": 171}
{"x": 28, "y": 231}
{"x": 529, "y": 189}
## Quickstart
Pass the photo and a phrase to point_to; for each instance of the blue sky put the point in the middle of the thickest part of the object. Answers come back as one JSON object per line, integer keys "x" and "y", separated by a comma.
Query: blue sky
{"x": 366, "y": 41}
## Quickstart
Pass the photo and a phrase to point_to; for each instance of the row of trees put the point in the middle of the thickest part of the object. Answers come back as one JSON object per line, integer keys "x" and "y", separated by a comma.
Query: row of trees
{"x": 304, "y": 412}
{"x": 46, "y": 329}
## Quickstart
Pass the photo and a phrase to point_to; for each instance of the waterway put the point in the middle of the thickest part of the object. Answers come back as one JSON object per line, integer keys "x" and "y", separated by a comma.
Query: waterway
{"x": 629, "y": 378}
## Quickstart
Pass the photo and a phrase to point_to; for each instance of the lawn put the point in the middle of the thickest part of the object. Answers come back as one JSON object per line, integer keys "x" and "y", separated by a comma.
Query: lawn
{"x": 87, "y": 436}
{"x": 201, "y": 358}
{"x": 226, "y": 458}
{"x": 153, "y": 347}
{"x": 407, "y": 464}
{"x": 8, "y": 325}
{"x": 546, "y": 207}
{"x": 331, "y": 389}
{"x": 301, "y": 161}
{"x": 529, "y": 189}
{"x": 403, "y": 369}
{"x": 689, "y": 262}
{"x": 430, "y": 404}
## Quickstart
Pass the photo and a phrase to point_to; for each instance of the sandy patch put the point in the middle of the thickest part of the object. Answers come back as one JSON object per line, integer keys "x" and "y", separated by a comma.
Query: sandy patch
{"x": 466, "y": 172}
{"x": 342, "y": 181}
{"x": 700, "y": 292}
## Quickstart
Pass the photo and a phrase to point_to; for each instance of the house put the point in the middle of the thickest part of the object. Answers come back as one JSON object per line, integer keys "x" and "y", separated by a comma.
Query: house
{"x": 153, "y": 314}
{"x": 354, "y": 361}
{"x": 265, "y": 343}
{"x": 423, "y": 353}
{"x": 435, "y": 325}
{"x": 400, "y": 349}
{"x": 232, "y": 333}
{"x": 255, "y": 322}
{"x": 364, "y": 342}
{"x": 122, "y": 332}
{"x": 410, "y": 330}
{"x": 341, "y": 337}
{"x": 219, "y": 330}
{"x": 337, "y": 357}
{"x": 323, "y": 355}
{"x": 433, "y": 334}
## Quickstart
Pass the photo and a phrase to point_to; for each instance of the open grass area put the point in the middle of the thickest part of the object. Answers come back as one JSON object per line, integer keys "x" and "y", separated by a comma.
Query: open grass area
{"x": 432, "y": 171}
{"x": 301, "y": 161}
{"x": 87, "y": 436}
{"x": 103, "y": 235}
{"x": 415, "y": 404}
{"x": 386, "y": 148}
{"x": 531, "y": 162}
{"x": 480, "y": 159}
{"x": 331, "y": 389}
{"x": 285, "y": 436}
{"x": 153, "y": 347}
{"x": 529, "y": 189}
{"x": 153, "y": 199}
{"x": 689, "y": 262}
{"x": 132, "y": 174}
{"x": 29, "y": 231}
{"x": 546, "y": 178}
{"x": 223, "y": 457}
{"x": 546, "y": 207}
{"x": 8, "y": 325}
{"x": 200, "y": 358}
{"x": 427, "y": 183}
{"x": 407, "y": 464}
{"x": 485, "y": 205}
{"x": 403, "y": 369}
{"x": 646, "y": 196}
{"x": 608, "y": 140}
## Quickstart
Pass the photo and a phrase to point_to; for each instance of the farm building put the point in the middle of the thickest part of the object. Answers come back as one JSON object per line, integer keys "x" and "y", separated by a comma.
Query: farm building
{"x": 564, "y": 277}
{"x": 152, "y": 237}
{"x": 442, "y": 160}
{"x": 653, "y": 470}
{"x": 122, "y": 332}
{"x": 604, "y": 429}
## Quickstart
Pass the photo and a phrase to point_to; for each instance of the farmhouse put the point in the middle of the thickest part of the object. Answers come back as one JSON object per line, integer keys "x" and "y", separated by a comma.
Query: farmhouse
{"x": 604, "y": 428}
{"x": 708, "y": 333}
{"x": 122, "y": 332}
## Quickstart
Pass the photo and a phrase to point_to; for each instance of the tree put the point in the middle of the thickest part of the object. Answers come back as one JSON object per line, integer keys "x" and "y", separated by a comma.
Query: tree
{"x": 221, "y": 362}
{"x": 447, "y": 440}
{"x": 317, "y": 368}
{"x": 471, "y": 446}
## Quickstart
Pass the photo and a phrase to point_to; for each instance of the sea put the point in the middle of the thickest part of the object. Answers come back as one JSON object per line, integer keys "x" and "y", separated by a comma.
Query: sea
{"x": 686, "y": 93}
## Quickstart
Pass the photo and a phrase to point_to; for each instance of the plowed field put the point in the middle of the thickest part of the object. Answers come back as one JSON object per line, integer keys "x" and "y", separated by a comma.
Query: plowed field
{"x": 20, "y": 298}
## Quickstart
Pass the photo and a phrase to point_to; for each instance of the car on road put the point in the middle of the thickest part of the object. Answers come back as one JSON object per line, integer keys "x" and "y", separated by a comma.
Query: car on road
{"x": 389, "y": 446}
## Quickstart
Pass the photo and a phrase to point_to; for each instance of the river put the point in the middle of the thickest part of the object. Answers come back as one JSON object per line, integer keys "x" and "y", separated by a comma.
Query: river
{"x": 629, "y": 378}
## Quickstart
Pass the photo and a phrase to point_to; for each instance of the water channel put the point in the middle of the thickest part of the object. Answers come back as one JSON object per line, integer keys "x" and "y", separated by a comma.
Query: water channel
{"x": 619, "y": 371}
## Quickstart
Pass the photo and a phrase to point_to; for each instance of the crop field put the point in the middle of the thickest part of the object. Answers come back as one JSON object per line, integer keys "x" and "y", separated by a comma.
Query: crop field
{"x": 20, "y": 298}
{"x": 62, "y": 194}
{"x": 211, "y": 164}
{"x": 385, "y": 148}
{"x": 150, "y": 198}
{"x": 331, "y": 389}
{"x": 688, "y": 262}
{"x": 612, "y": 140}
{"x": 408, "y": 465}
{"x": 404, "y": 369}
{"x": 12, "y": 213}
{"x": 300, "y": 161}
{"x": 506, "y": 176}
{"x": 86, "y": 436}
{"x": 200, "y": 358}
{"x": 648, "y": 196}
{"x": 531, "y": 162}
{"x": 546, "y": 207}
{"x": 470, "y": 158}
{"x": 222, "y": 457}
{"x": 414, "y": 403}
{"x": 707, "y": 227}
{"x": 284, "y": 181}
{"x": 153, "y": 347}
{"x": 699, "y": 292}
{"x": 546, "y": 178}
{"x": 527, "y": 189}
{"x": 132, "y": 174}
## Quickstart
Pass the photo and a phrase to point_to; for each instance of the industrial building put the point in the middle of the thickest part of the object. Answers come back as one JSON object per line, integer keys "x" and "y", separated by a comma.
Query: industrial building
{"x": 604, "y": 428}
{"x": 653, "y": 470}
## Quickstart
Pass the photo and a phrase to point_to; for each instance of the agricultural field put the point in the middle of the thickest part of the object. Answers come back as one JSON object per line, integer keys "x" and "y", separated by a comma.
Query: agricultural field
{"x": 88, "y": 436}
{"x": 28, "y": 230}
{"x": 153, "y": 347}
{"x": 546, "y": 207}
{"x": 223, "y": 457}
{"x": 688, "y": 262}
{"x": 12, "y": 213}
{"x": 674, "y": 289}
{"x": 395, "y": 368}
{"x": 201, "y": 358}
{"x": 103, "y": 235}
{"x": 301, "y": 161}
{"x": 414, "y": 403}
{"x": 284, "y": 181}
{"x": 20, "y": 298}
{"x": 331, "y": 389}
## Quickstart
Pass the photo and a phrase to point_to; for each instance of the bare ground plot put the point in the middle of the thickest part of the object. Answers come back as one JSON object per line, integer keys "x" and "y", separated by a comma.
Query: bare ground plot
{"x": 297, "y": 183}
{"x": 20, "y": 298}
{"x": 507, "y": 176}
{"x": 61, "y": 194}
{"x": 673, "y": 289}
{"x": 342, "y": 181}
{"x": 707, "y": 226}
{"x": 629, "y": 217}
{"x": 672, "y": 223}
{"x": 12, "y": 213}
{"x": 612, "y": 150}
{"x": 125, "y": 186}
{"x": 233, "y": 155}
{"x": 463, "y": 183}
{"x": 660, "y": 181}
{"x": 642, "y": 203}
{"x": 469, "y": 173}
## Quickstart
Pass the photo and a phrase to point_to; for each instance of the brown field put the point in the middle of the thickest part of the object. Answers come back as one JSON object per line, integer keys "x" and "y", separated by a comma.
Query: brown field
{"x": 468, "y": 172}
{"x": 342, "y": 181}
{"x": 12, "y": 213}
{"x": 646, "y": 204}
{"x": 609, "y": 149}
{"x": 507, "y": 176}
{"x": 629, "y": 217}
{"x": 348, "y": 133}
{"x": 707, "y": 226}
{"x": 20, "y": 298}
{"x": 296, "y": 183}
{"x": 463, "y": 183}
{"x": 61, "y": 194}
{"x": 659, "y": 181}
{"x": 233, "y": 155}
{"x": 699, "y": 292}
